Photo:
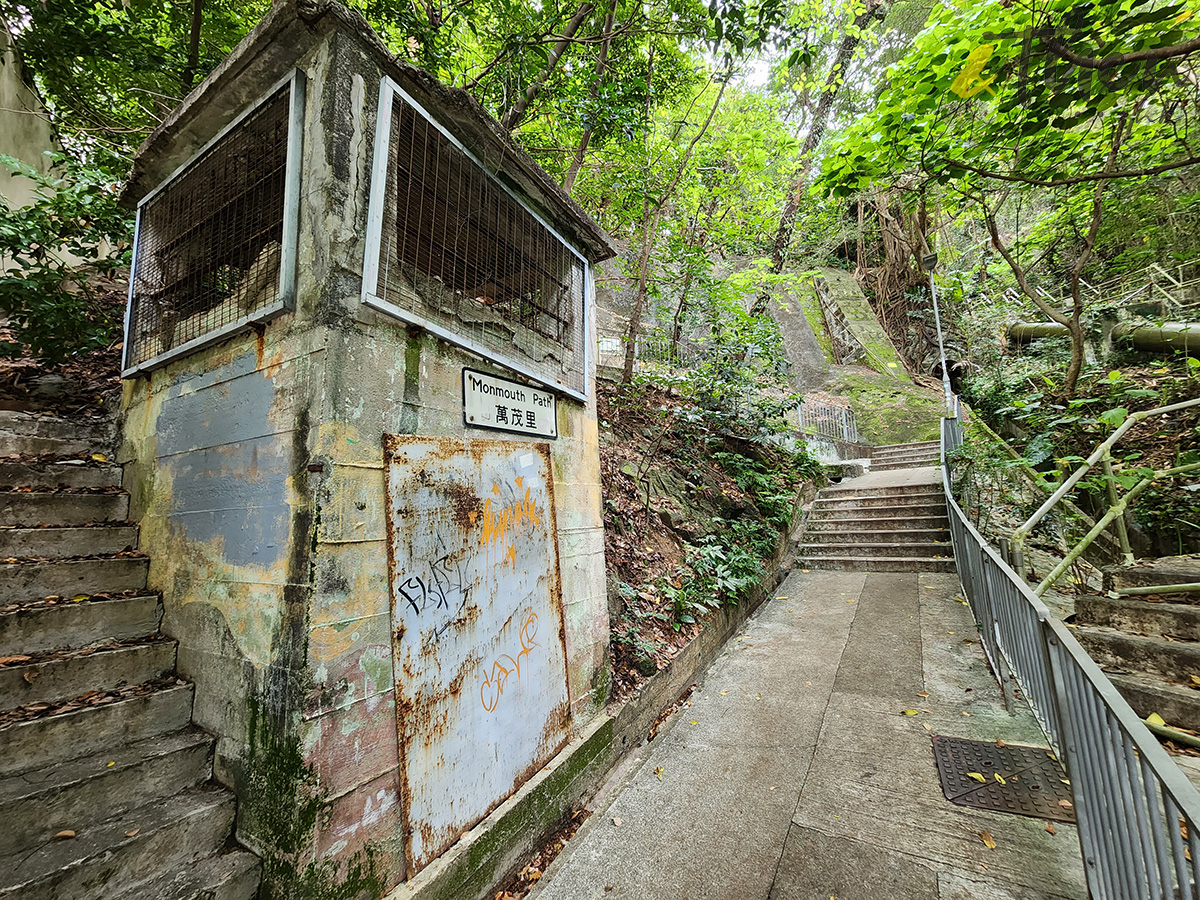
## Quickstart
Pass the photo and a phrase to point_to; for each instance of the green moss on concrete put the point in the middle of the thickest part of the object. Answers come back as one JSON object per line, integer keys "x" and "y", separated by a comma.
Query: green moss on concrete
{"x": 500, "y": 847}
{"x": 281, "y": 805}
{"x": 889, "y": 411}
{"x": 864, "y": 325}
{"x": 811, "y": 307}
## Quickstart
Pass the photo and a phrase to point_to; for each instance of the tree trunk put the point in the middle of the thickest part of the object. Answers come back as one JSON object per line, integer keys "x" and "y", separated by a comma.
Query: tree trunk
{"x": 650, "y": 232}
{"x": 517, "y": 112}
{"x": 188, "y": 77}
{"x": 816, "y": 131}
{"x": 594, "y": 93}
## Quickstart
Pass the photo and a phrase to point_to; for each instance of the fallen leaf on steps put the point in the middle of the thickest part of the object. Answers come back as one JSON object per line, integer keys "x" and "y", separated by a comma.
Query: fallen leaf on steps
{"x": 63, "y": 835}
{"x": 1050, "y": 828}
{"x": 616, "y": 821}
{"x": 30, "y": 676}
{"x": 976, "y": 776}
{"x": 659, "y": 772}
{"x": 132, "y": 833}
{"x": 988, "y": 840}
{"x": 922, "y": 693}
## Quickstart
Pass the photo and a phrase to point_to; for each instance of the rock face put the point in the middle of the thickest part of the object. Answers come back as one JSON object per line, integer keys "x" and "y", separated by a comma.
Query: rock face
{"x": 105, "y": 785}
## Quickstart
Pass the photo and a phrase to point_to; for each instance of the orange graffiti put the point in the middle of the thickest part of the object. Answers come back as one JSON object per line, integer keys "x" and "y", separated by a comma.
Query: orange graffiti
{"x": 496, "y": 680}
{"x": 502, "y": 524}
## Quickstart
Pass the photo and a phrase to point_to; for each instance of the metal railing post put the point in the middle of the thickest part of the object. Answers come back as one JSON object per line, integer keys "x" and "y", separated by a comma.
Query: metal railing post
{"x": 1110, "y": 484}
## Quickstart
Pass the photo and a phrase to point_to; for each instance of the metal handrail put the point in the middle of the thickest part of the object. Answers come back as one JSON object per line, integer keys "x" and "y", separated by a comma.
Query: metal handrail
{"x": 1133, "y": 804}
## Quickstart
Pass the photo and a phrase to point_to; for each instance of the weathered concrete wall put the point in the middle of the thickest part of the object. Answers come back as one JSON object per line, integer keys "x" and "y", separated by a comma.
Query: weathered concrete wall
{"x": 26, "y": 134}
{"x": 863, "y": 324}
{"x": 257, "y": 469}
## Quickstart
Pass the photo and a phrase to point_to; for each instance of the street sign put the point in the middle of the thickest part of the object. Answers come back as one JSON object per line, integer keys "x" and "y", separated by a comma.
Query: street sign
{"x": 503, "y": 405}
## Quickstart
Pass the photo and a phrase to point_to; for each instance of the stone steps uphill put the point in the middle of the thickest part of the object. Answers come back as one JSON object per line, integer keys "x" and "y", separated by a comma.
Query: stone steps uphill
{"x": 106, "y": 787}
{"x": 894, "y": 521}
{"x": 1149, "y": 648}
{"x": 905, "y": 456}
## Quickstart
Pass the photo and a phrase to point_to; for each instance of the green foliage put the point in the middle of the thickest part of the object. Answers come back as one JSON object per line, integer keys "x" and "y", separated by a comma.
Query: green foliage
{"x": 52, "y": 249}
{"x": 716, "y": 573}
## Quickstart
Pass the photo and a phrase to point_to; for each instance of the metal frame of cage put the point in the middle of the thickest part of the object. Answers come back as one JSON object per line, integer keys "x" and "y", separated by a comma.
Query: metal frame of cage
{"x": 388, "y": 91}
{"x": 286, "y": 292}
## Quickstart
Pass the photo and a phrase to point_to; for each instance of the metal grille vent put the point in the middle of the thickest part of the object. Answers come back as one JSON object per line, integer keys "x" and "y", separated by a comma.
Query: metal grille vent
{"x": 460, "y": 253}
{"x": 209, "y": 249}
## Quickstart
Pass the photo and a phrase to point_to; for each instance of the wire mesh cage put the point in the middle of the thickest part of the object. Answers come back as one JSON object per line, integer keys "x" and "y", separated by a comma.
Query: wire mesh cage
{"x": 459, "y": 252}
{"x": 209, "y": 253}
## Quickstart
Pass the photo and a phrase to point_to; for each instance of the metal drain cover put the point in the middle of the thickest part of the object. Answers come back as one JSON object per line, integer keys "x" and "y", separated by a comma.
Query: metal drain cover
{"x": 1034, "y": 781}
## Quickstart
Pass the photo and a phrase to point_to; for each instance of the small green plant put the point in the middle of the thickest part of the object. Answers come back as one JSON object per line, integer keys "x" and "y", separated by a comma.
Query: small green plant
{"x": 714, "y": 574}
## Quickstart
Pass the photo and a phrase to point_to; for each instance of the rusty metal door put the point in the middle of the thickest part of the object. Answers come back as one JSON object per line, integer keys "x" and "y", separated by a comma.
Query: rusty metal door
{"x": 477, "y": 628}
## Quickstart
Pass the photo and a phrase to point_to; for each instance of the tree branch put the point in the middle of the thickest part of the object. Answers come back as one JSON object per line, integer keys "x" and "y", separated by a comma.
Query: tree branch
{"x": 1060, "y": 49}
{"x": 517, "y": 111}
{"x": 1074, "y": 179}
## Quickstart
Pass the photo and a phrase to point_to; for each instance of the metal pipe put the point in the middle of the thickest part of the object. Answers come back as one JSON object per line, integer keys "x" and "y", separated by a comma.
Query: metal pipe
{"x": 937, "y": 319}
{"x": 1159, "y": 589}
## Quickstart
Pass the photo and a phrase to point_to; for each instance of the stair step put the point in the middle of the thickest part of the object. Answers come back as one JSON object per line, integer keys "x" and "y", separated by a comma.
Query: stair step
{"x": 223, "y": 876}
{"x": 879, "y": 564}
{"x": 1180, "y": 620}
{"x": 73, "y": 473}
{"x": 103, "y": 859}
{"x": 908, "y": 512}
{"x": 877, "y": 535}
{"x": 26, "y": 424}
{"x": 903, "y": 457}
{"x": 929, "y": 501}
{"x": 1177, "y": 704}
{"x": 1168, "y": 570}
{"x": 918, "y": 445}
{"x": 879, "y": 519}
{"x": 80, "y": 792}
{"x": 850, "y": 548}
{"x": 44, "y": 508}
{"x": 148, "y": 710}
{"x": 70, "y": 577}
{"x": 1158, "y": 656}
{"x": 37, "y": 628}
{"x": 902, "y": 464}
{"x": 28, "y": 434}
{"x": 67, "y": 540}
{"x": 917, "y": 493}
{"x": 75, "y": 672}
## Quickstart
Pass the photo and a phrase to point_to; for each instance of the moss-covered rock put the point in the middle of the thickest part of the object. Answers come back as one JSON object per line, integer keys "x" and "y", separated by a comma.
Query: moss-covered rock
{"x": 889, "y": 411}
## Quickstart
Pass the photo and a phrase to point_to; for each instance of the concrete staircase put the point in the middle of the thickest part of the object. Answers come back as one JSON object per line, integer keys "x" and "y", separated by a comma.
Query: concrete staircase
{"x": 1150, "y": 650}
{"x": 891, "y": 457}
{"x": 893, "y": 521}
{"x": 106, "y": 787}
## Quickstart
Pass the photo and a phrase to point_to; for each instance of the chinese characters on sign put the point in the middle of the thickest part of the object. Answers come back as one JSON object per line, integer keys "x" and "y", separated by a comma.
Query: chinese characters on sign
{"x": 490, "y": 402}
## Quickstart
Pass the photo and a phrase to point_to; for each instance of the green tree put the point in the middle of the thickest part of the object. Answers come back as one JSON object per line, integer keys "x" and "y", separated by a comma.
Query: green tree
{"x": 996, "y": 99}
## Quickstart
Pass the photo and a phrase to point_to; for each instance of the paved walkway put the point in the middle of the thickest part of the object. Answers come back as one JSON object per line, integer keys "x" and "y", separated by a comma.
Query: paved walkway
{"x": 793, "y": 776}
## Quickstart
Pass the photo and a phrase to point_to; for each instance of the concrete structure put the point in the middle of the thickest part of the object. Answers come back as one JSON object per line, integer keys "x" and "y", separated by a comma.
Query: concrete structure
{"x": 26, "y": 134}
{"x": 346, "y": 697}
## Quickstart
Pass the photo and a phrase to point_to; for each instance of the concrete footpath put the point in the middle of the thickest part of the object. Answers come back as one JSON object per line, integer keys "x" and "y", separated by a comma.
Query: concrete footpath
{"x": 793, "y": 774}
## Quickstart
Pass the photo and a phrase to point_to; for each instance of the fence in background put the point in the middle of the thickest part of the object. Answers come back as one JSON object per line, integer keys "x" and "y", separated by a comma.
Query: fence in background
{"x": 1137, "y": 812}
{"x": 836, "y": 422}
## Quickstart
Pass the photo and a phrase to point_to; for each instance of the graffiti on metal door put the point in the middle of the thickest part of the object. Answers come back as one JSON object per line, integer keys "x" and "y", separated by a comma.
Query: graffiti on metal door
{"x": 477, "y": 624}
